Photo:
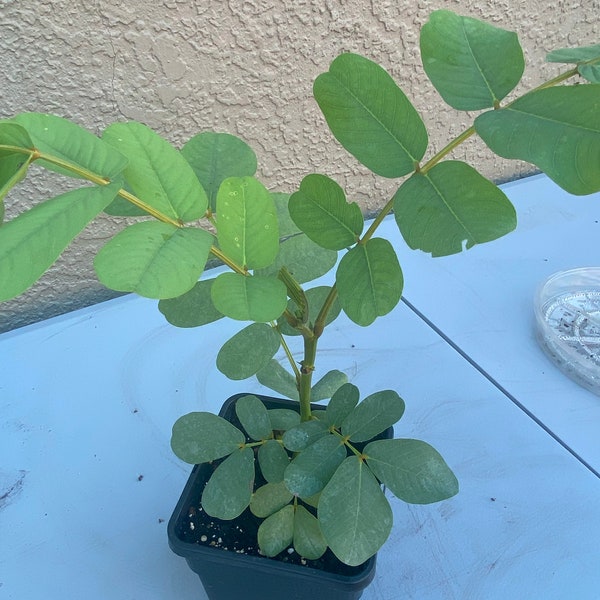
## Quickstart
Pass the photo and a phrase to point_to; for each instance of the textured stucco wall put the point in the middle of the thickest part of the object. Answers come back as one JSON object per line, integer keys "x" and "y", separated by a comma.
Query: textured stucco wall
{"x": 241, "y": 66}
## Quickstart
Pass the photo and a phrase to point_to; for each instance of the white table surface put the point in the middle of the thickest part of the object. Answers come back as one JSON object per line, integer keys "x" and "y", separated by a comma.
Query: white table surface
{"x": 482, "y": 300}
{"x": 88, "y": 481}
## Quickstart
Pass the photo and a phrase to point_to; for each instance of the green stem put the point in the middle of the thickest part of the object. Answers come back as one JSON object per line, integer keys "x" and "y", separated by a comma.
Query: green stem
{"x": 288, "y": 354}
{"x": 306, "y": 372}
{"x": 322, "y": 316}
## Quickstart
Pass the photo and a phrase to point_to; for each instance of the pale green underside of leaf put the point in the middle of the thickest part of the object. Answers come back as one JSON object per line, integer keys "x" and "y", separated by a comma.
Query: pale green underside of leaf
{"x": 200, "y": 437}
{"x": 261, "y": 299}
{"x": 370, "y": 115}
{"x": 31, "y": 242}
{"x": 247, "y": 227}
{"x": 369, "y": 281}
{"x": 412, "y": 470}
{"x": 67, "y": 141}
{"x": 217, "y": 156}
{"x": 451, "y": 207}
{"x": 157, "y": 172}
{"x": 472, "y": 64}
{"x": 154, "y": 259}
{"x": 355, "y": 517}
{"x": 557, "y": 129}
{"x": 248, "y": 351}
{"x": 229, "y": 490}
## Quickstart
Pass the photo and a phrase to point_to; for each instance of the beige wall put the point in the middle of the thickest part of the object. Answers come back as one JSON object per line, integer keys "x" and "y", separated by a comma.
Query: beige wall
{"x": 241, "y": 66}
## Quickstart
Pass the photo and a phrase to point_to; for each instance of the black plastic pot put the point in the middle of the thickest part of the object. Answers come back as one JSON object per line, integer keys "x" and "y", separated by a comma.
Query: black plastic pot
{"x": 229, "y": 574}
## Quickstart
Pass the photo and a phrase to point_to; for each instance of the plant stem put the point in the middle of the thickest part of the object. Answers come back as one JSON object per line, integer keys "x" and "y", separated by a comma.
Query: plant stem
{"x": 288, "y": 354}
{"x": 306, "y": 370}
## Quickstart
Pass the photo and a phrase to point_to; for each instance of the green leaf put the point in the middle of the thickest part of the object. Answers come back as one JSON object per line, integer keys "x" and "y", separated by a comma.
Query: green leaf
{"x": 472, "y": 64}
{"x": 557, "y": 129}
{"x": 120, "y": 207}
{"x": 68, "y": 142}
{"x": 13, "y": 169}
{"x": 157, "y": 173}
{"x": 319, "y": 208}
{"x": 253, "y": 416}
{"x": 450, "y": 207}
{"x": 246, "y": 298}
{"x": 248, "y": 351}
{"x": 369, "y": 281}
{"x": 574, "y": 55}
{"x": 413, "y": 470}
{"x": 283, "y": 419}
{"x": 354, "y": 514}
{"x": 590, "y": 72}
{"x": 587, "y": 59}
{"x": 373, "y": 415}
{"x": 217, "y": 156}
{"x": 341, "y": 404}
{"x": 327, "y": 385}
{"x": 154, "y": 259}
{"x": 33, "y": 240}
{"x": 273, "y": 460}
{"x": 287, "y": 227}
{"x": 309, "y": 542}
{"x": 312, "y": 468}
{"x": 13, "y": 163}
{"x": 275, "y": 533}
{"x": 192, "y": 309}
{"x": 304, "y": 434}
{"x": 14, "y": 136}
{"x": 247, "y": 226}
{"x": 304, "y": 259}
{"x": 269, "y": 498}
{"x": 200, "y": 437}
{"x": 229, "y": 490}
{"x": 312, "y": 500}
{"x": 276, "y": 378}
{"x": 370, "y": 116}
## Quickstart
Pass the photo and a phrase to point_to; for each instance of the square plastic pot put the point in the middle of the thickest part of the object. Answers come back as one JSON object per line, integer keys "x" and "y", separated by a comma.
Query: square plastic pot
{"x": 228, "y": 574}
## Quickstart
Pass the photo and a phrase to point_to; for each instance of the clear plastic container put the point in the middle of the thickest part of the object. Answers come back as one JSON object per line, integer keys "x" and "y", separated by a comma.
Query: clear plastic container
{"x": 567, "y": 311}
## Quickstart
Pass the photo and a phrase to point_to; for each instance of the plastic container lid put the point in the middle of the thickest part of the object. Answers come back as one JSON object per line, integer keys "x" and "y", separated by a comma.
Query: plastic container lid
{"x": 567, "y": 311}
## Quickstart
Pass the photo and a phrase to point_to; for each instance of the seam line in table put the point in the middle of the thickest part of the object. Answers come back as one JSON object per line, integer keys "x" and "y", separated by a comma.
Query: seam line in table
{"x": 501, "y": 388}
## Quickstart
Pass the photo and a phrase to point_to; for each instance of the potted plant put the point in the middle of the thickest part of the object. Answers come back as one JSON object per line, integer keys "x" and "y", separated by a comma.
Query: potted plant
{"x": 306, "y": 479}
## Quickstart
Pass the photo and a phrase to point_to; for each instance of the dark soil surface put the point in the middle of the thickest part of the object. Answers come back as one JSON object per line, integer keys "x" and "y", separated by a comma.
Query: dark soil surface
{"x": 240, "y": 535}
